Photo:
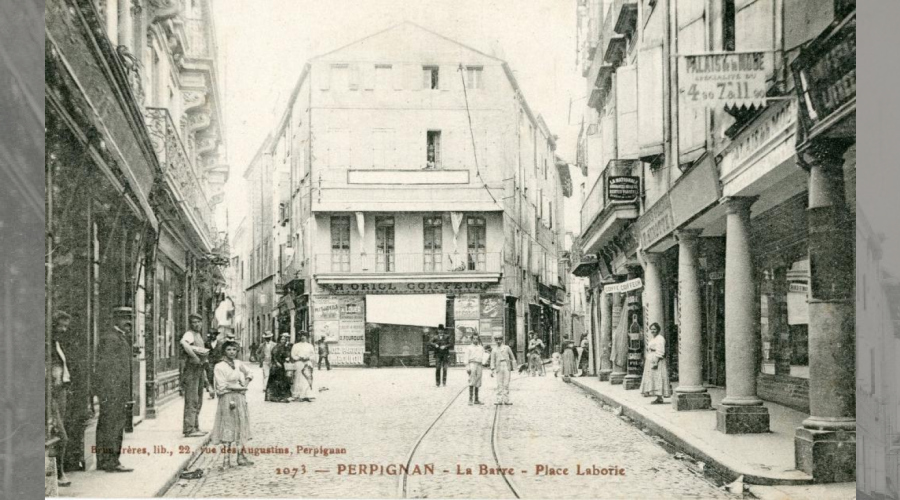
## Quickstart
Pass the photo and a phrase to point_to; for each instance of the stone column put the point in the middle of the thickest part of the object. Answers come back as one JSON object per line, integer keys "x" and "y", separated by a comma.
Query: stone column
{"x": 741, "y": 412}
{"x": 605, "y": 335}
{"x": 690, "y": 393}
{"x": 653, "y": 308}
{"x": 826, "y": 443}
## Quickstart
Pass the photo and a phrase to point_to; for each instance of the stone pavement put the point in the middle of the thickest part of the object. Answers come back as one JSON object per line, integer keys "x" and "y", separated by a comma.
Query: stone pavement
{"x": 155, "y": 469}
{"x": 375, "y": 416}
{"x": 763, "y": 459}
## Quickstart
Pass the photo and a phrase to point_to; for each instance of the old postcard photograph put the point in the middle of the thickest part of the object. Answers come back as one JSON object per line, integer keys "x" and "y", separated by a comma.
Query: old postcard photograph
{"x": 462, "y": 249}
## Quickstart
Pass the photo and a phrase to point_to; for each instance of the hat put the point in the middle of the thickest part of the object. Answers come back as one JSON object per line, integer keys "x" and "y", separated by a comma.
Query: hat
{"x": 195, "y": 316}
{"x": 123, "y": 311}
{"x": 267, "y": 335}
{"x": 285, "y": 334}
{"x": 498, "y": 336}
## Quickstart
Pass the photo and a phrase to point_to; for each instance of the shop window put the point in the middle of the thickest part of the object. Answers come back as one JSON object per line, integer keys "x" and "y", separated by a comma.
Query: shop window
{"x": 477, "y": 249}
{"x": 430, "y": 77}
{"x": 433, "y": 149}
{"x": 433, "y": 251}
{"x": 340, "y": 244}
{"x": 384, "y": 243}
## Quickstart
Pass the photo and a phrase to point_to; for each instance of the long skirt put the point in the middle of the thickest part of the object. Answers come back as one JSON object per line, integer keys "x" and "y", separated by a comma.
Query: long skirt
{"x": 568, "y": 363}
{"x": 475, "y": 370}
{"x": 279, "y": 384}
{"x": 232, "y": 420}
{"x": 303, "y": 379}
{"x": 656, "y": 382}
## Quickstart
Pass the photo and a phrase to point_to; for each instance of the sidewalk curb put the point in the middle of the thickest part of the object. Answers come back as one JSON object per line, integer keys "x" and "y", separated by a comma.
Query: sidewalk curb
{"x": 190, "y": 459}
{"x": 684, "y": 446}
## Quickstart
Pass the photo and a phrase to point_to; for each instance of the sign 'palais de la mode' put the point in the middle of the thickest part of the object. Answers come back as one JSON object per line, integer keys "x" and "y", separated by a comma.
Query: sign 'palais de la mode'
{"x": 724, "y": 79}
{"x": 410, "y": 288}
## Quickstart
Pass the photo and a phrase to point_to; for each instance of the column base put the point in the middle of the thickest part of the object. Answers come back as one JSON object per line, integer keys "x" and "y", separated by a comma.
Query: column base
{"x": 616, "y": 378}
{"x": 604, "y": 375}
{"x": 828, "y": 456}
{"x": 742, "y": 419}
{"x": 691, "y": 401}
{"x": 632, "y": 382}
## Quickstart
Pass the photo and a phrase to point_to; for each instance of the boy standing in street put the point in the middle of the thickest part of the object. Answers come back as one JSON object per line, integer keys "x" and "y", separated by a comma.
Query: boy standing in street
{"x": 502, "y": 361}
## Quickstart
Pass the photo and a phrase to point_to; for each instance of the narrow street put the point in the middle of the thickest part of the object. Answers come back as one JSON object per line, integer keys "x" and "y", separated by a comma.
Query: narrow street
{"x": 550, "y": 424}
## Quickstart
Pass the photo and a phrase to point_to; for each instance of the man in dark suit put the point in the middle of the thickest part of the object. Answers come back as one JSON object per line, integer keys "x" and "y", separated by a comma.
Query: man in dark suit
{"x": 114, "y": 390}
{"x": 441, "y": 347}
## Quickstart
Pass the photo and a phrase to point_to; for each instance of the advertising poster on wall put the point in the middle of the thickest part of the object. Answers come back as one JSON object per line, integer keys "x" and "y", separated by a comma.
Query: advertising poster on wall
{"x": 466, "y": 307}
{"x": 465, "y": 329}
{"x": 326, "y": 308}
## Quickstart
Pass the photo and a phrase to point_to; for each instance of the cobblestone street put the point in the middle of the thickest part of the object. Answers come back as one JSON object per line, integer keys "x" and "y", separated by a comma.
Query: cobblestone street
{"x": 377, "y": 416}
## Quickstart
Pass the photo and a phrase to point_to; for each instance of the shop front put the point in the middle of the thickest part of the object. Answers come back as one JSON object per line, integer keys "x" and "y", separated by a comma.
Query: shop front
{"x": 391, "y": 323}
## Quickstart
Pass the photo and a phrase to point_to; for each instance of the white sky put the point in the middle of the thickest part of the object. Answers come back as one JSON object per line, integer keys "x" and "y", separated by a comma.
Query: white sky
{"x": 263, "y": 45}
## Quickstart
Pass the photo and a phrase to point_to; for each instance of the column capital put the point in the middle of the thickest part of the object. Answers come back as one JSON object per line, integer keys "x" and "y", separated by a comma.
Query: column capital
{"x": 687, "y": 235}
{"x": 651, "y": 257}
{"x": 738, "y": 204}
{"x": 824, "y": 153}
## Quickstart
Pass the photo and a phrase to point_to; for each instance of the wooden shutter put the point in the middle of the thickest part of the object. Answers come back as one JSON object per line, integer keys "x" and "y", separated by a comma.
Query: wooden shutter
{"x": 692, "y": 119}
{"x": 754, "y": 25}
{"x": 449, "y": 78}
{"x": 626, "y": 110}
{"x": 651, "y": 106}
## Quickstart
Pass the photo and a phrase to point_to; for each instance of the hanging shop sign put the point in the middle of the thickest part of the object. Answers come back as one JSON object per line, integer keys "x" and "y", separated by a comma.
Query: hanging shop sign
{"x": 409, "y": 288}
{"x": 623, "y": 188}
{"x": 625, "y": 286}
{"x": 724, "y": 79}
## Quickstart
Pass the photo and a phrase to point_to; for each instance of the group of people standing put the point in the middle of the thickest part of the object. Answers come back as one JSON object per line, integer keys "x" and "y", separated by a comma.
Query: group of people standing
{"x": 276, "y": 358}
{"x": 500, "y": 359}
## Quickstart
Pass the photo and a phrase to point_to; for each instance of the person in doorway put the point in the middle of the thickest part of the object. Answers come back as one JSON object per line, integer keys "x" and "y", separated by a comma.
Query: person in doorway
{"x": 193, "y": 376}
{"x": 232, "y": 424}
{"x": 278, "y": 387}
{"x": 474, "y": 367}
{"x": 441, "y": 347}
{"x": 535, "y": 354}
{"x": 657, "y": 384}
{"x": 502, "y": 362}
{"x": 568, "y": 359}
{"x": 113, "y": 369}
{"x": 323, "y": 353}
{"x": 264, "y": 355}
{"x": 254, "y": 348}
{"x": 302, "y": 354}
{"x": 583, "y": 360}
{"x": 60, "y": 382}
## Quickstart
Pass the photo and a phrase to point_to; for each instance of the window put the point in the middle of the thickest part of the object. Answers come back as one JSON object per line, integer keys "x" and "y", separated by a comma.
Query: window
{"x": 430, "y": 77}
{"x": 728, "y": 25}
{"x": 473, "y": 77}
{"x": 383, "y": 76}
{"x": 476, "y": 243}
{"x": 340, "y": 244}
{"x": 340, "y": 76}
{"x": 384, "y": 244}
{"x": 433, "y": 257}
{"x": 433, "y": 149}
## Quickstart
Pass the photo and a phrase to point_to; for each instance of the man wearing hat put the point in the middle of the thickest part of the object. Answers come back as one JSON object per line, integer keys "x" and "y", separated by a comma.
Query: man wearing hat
{"x": 264, "y": 354}
{"x": 193, "y": 376}
{"x": 441, "y": 347}
{"x": 114, "y": 390}
{"x": 502, "y": 361}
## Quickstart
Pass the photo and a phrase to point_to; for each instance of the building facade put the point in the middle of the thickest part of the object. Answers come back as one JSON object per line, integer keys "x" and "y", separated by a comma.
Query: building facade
{"x": 134, "y": 172}
{"x": 728, "y": 220}
{"x": 409, "y": 174}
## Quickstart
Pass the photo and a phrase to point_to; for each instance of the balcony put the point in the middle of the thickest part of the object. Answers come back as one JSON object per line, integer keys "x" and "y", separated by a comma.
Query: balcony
{"x": 407, "y": 267}
{"x": 179, "y": 172}
{"x": 625, "y": 14}
{"x": 611, "y": 203}
{"x": 613, "y": 44}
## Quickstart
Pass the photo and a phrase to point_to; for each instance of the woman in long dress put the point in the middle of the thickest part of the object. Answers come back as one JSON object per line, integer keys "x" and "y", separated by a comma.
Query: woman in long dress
{"x": 232, "y": 425}
{"x": 302, "y": 354}
{"x": 278, "y": 387}
{"x": 657, "y": 383}
{"x": 568, "y": 360}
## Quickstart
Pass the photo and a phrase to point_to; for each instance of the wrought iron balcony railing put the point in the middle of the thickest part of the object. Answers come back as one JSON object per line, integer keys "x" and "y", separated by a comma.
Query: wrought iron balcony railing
{"x": 179, "y": 169}
{"x": 425, "y": 263}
